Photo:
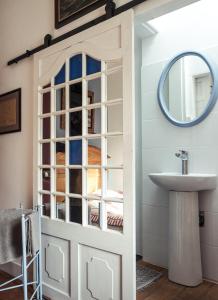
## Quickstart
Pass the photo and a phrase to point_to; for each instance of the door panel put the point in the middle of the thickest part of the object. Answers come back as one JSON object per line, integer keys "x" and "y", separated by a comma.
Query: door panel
{"x": 84, "y": 163}
{"x": 97, "y": 266}
{"x": 56, "y": 263}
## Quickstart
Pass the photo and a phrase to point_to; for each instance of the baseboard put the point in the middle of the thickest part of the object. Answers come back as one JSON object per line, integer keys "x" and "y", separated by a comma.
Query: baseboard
{"x": 12, "y": 268}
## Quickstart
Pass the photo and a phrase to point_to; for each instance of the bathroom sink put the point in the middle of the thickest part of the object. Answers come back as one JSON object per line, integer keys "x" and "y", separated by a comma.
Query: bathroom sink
{"x": 184, "y": 183}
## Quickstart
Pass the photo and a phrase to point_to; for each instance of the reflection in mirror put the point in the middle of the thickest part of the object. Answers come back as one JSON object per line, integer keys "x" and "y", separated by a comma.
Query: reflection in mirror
{"x": 75, "y": 123}
{"x": 46, "y": 179}
{"x": 76, "y": 67}
{"x": 76, "y": 210}
{"x": 115, "y": 183}
{"x": 94, "y": 182}
{"x": 46, "y": 128}
{"x": 60, "y": 153}
{"x": 60, "y": 99}
{"x": 60, "y": 180}
{"x": 115, "y": 118}
{"x": 92, "y": 65}
{"x": 115, "y": 151}
{"x": 94, "y": 151}
{"x": 46, "y": 154}
{"x": 115, "y": 85}
{"x": 60, "y": 207}
{"x": 60, "y": 77}
{"x": 187, "y": 88}
{"x": 46, "y": 205}
{"x": 94, "y": 121}
{"x": 60, "y": 126}
{"x": 46, "y": 103}
{"x": 75, "y": 181}
{"x": 114, "y": 216}
{"x": 75, "y": 155}
{"x": 94, "y": 213}
{"x": 76, "y": 95}
{"x": 94, "y": 91}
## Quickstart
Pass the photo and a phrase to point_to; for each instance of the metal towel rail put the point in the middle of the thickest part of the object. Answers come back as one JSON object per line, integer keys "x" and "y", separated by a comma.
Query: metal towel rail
{"x": 36, "y": 261}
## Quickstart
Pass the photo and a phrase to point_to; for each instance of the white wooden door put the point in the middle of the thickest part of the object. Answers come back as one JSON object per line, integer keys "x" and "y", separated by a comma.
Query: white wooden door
{"x": 84, "y": 163}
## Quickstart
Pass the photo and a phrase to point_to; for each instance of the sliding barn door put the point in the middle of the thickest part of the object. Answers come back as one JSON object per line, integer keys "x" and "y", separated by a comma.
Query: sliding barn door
{"x": 84, "y": 163}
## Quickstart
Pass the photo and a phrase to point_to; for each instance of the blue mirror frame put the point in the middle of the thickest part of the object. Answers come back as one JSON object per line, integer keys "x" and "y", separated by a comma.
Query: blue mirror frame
{"x": 214, "y": 94}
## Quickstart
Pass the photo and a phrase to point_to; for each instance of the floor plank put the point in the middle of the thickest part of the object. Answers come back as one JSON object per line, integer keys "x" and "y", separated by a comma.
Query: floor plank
{"x": 16, "y": 294}
{"x": 164, "y": 289}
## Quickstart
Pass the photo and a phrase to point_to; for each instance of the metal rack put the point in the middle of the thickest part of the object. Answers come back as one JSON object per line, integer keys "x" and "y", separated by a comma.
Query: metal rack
{"x": 36, "y": 261}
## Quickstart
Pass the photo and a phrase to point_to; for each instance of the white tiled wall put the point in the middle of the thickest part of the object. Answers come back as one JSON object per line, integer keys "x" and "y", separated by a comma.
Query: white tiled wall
{"x": 160, "y": 141}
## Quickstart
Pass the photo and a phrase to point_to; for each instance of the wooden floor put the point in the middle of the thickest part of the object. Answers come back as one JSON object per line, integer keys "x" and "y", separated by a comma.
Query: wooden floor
{"x": 16, "y": 294}
{"x": 163, "y": 289}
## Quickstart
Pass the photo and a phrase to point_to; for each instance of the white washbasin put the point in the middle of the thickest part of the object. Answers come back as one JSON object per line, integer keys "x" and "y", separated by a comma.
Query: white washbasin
{"x": 184, "y": 183}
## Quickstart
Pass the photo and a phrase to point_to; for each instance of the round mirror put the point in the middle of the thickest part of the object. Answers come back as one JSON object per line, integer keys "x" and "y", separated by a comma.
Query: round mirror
{"x": 188, "y": 89}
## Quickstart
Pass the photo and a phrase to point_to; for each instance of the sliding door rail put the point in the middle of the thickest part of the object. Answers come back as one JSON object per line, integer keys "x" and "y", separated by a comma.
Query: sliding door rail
{"x": 111, "y": 11}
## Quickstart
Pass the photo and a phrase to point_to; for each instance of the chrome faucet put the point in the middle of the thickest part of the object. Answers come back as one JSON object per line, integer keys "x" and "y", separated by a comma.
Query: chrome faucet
{"x": 184, "y": 157}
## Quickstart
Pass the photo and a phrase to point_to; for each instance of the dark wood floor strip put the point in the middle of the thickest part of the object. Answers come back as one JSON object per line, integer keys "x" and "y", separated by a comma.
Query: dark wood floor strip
{"x": 164, "y": 289}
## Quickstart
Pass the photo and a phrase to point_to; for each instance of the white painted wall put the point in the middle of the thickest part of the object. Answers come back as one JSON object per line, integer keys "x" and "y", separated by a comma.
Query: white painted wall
{"x": 160, "y": 139}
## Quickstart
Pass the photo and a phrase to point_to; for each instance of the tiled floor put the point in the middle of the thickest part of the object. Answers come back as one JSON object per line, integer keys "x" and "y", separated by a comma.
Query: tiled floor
{"x": 163, "y": 289}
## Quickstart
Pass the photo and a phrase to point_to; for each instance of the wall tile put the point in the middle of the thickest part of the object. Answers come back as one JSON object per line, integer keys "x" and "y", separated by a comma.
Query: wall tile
{"x": 155, "y": 250}
{"x": 155, "y": 221}
{"x": 150, "y": 106}
{"x": 209, "y": 256}
{"x": 208, "y": 233}
{"x": 160, "y": 133}
{"x": 150, "y": 76}
{"x": 153, "y": 195}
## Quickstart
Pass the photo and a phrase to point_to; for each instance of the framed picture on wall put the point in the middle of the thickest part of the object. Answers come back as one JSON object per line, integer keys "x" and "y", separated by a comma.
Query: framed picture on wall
{"x": 10, "y": 112}
{"x": 67, "y": 11}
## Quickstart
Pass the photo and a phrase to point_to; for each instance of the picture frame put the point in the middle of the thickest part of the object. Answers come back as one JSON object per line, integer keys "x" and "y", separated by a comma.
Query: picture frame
{"x": 91, "y": 119}
{"x": 10, "y": 112}
{"x": 67, "y": 11}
